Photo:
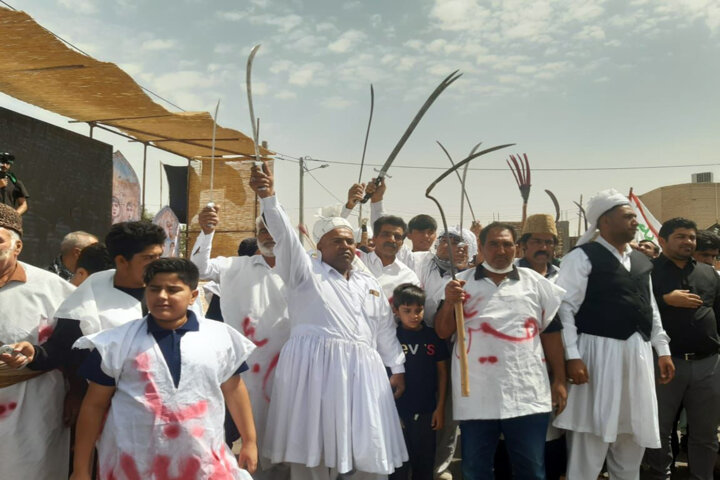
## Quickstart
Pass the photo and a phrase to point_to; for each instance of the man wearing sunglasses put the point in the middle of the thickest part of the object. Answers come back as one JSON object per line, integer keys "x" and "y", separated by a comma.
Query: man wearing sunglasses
{"x": 12, "y": 191}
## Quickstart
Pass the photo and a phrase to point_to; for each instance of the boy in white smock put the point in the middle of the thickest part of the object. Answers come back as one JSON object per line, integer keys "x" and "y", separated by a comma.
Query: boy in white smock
{"x": 163, "y": 381}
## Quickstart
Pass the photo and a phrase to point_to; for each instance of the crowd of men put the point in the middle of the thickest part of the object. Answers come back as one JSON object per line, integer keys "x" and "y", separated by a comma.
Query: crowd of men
{"x": 354, "y": 367}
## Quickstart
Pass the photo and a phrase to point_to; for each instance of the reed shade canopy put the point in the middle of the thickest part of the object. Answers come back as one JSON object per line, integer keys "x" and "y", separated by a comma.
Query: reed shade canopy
{"x": 38, "y": 68}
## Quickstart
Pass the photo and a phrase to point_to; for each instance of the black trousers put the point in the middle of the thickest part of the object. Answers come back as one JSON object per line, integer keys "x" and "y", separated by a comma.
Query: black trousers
{"x": 420, "y": 442}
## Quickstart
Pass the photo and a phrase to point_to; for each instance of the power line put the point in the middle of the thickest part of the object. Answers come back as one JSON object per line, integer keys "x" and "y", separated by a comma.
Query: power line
{"x": 534, "y": 169}
{"x": 323, "y": 186}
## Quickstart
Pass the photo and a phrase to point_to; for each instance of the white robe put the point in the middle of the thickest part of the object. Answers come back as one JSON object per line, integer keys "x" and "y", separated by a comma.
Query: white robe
{"x": 252, "y": 300}
{"x": 157, "y": 431}
{"x": 332, "y": 404}
{"x": 35, "y": 442}
{"x": 98, "y": 305}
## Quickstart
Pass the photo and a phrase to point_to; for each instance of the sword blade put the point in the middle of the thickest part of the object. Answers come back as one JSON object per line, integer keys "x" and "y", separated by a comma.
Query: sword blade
{"x": 367, "y": 132}
{"x": 212, "y": 152}
{"x": 248, "y": 83}
{"x": 447, "y": 81}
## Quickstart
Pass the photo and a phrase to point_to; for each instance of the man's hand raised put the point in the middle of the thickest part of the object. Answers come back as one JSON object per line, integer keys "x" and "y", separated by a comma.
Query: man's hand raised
{"x": 209, "y": 219}
{"x": 355, "y": 194}
{"x": 261, "y": 181}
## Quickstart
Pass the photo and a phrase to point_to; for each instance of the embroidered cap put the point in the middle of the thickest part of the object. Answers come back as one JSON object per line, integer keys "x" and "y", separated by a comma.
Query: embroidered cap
{"x": 326, "y": 224}
{"x": 540, "y": 223}
{"x": 10, "y": 219}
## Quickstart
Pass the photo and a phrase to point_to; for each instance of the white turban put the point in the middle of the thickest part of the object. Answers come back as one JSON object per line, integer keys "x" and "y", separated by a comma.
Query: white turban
{"x": 465, "y": 236}
{"x": 600, "y": 203}
{"x": 326, "y": 224}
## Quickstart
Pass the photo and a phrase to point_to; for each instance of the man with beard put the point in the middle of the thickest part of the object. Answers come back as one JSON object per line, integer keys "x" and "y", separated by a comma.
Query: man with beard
{"x": 37, "y": 443}
{"x": 538, "y": 242}
{"x": 510, "y": 336}
{"x": 707, "y": 247}
{"x": 610, "y": 319}
{"x": 688, "y": 296}
{"x": 251, "y": 301}
{"x": 332, "y": 411}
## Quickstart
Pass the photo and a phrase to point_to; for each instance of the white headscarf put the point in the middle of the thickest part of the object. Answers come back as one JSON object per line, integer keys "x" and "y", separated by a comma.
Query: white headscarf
{"x": 465, "y": 236}
{"x": 600, "y": 203}
{"x": 326, "y": 224}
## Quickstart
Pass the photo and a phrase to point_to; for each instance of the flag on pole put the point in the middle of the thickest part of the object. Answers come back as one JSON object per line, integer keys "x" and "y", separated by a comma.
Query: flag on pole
{"x": 648, "y": 226}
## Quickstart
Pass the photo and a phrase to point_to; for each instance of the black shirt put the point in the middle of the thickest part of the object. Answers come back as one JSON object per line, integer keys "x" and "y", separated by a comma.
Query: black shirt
{"x": 423, "y": 349}
{"x": 14, "y": 190}
{"x": 691, "y": 330}
{"x": 57, "y": 352}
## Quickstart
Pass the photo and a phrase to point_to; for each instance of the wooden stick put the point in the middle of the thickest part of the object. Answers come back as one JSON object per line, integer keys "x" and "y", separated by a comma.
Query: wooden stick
{"x": 460, "y": 325}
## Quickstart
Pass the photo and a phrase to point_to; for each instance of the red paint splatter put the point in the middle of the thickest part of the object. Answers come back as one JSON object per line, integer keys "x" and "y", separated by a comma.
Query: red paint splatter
{"x": 3, "y": 409}
{"x": 249, "y": 332}
{"x": 198, "y": 431}
{"x": 111, "y": 476}
{"x": 44, "y": 332}
{"x": 271, "y": 367}
{"x": 129, "y": 467}
{"x": 256, "y": 368}
{"x": 222, "y": 468}
{"x": 172, "y": 430}
{"x": 531, "y": 330}
{"x": 188, "y": 471}
{"x": 12, "y": 405}
{"x": 161, "y": 411}
{"x": 491, "y": 359}
{"x": 470, "y": 308}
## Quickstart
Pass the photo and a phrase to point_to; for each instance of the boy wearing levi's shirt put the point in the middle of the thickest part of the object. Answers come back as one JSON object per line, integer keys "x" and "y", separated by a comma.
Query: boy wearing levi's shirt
{"x": 421, "y": 407}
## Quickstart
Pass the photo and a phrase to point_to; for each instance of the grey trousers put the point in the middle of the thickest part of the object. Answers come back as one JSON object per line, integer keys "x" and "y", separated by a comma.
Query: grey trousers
{"x": 697, "y": 387}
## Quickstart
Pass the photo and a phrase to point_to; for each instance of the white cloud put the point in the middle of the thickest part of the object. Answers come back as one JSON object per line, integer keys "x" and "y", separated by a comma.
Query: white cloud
{"x": 336, "y": 103}
{"x": 285, "y": 95}
{"x": 347, "y": 41}
{"x": 304, "y": 74}
{"x": 375, "y": 20}
{"x": 84, "y": 7}
{"x": 415, "y": 44}
{"x": 232, "y": 16}
{"x": 158, "y": 44}
{"x": 459, "y": 14}
{"x": 591, "y": 32}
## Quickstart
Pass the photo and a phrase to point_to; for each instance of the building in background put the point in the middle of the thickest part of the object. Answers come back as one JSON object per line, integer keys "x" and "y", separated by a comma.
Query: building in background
{"x": 698, "y": 201}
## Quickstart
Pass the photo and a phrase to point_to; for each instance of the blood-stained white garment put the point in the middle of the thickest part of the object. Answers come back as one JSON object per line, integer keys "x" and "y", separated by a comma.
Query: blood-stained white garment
{"x": 332, "y": 404}
{"x": 157, "y": 431}
{"x": 388, "y": 276}
{"x": 508, "y": 375}
{"x": 619, "y": 397}
{"x": 98, "y": 305}
{"x": 252, "y": 300}
{"x": 35, "y": 442}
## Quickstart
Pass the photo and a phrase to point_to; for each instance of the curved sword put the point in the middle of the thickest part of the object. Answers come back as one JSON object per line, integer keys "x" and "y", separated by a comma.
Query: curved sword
{"x": 463, "y": 193}
{"x": 447, "y": 81}
{"x": 367, "y": 132}
{"x": 255, "y": 122}
{"x": 556, "y": 203}
{"x": 459, "y": 314}
{"x": 211, "y": 204}
{"x": 584, "y": 215}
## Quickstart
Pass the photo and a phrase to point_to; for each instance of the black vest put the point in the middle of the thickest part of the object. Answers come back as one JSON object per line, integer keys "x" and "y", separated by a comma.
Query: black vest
{"x": 617, "y": 302}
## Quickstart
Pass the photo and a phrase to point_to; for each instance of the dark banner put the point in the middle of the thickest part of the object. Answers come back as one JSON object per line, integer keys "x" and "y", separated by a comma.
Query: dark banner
{"x": 177, "y": 178}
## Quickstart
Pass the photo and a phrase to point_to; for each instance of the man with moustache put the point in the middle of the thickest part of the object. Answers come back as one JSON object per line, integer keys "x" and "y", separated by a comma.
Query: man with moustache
{"x": 332, "y": 412}
{"x": 688, "y": 296}
{"x": 538, "y": 240}
{"x": 511, "y": 336}
{"x": 251, "y": 301}
{"x": 610, "y": 320}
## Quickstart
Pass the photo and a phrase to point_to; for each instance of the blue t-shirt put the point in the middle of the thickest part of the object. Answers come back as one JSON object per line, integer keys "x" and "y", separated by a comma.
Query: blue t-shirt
{"x": 423, "y": 349}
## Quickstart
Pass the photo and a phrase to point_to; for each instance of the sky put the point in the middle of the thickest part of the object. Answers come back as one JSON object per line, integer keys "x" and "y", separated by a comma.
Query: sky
{"x": 598, "y": 94}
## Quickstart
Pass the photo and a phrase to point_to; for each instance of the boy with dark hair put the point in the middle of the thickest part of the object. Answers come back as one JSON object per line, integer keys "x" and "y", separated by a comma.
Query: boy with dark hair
{"x": 422, "y": 230}
{"x": 93, "y": 258}
{"x": 421, "y": 407}
{"x": 158, "y": 386}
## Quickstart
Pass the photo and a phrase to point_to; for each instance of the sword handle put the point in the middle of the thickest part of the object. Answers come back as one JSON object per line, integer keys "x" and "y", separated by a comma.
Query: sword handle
{"x": 211, "y": 205}
{"x": 368, "y": 195}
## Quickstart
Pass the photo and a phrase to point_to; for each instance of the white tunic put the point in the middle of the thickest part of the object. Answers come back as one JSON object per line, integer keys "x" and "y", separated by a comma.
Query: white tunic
{"x": 332, "y": 404}
{"x": 508, "y": 375}
{"x": 35, "y": 442}
{"x": 619, "y": 397}
{"x": 433, "y": 282}
{"x": 157, "y": 431}
{"x": 98, "y": 305}
{"x": 252, "y": 300}
{"x": 388, "y": 276}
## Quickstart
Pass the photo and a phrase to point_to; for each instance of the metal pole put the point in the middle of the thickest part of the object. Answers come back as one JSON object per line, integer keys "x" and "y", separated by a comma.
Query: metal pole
{"x": 301, "y": 216}
{"x": 143, "y": 185}
{"x": 579, "y": 218}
